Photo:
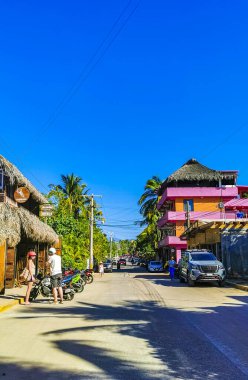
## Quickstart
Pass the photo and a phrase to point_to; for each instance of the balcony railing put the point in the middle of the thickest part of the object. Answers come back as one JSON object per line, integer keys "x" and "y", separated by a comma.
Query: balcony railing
{"x": 175, "y": 216}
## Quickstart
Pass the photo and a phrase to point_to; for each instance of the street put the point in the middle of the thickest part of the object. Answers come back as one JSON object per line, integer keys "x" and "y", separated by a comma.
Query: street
{"x": 129, "y": 325}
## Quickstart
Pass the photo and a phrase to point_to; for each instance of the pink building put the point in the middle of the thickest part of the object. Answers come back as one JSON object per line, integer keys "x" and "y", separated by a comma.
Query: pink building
{"x": 192, "y": 193}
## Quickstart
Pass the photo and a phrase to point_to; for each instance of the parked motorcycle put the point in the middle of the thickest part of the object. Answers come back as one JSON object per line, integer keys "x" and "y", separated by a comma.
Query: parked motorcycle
{"x": 88, "y": 275}
{"x": 75, "y": 280}
{"x": 43, "y": 286}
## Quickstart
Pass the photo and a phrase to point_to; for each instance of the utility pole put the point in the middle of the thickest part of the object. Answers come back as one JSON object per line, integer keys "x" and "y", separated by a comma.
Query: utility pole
{"x": 111, "y": 242}
{"x": 92, "y": 196}
{"x": 187, "y": 215}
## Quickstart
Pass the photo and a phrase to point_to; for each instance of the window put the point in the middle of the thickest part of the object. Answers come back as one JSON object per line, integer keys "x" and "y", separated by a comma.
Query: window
{"x": 190, "y": 202}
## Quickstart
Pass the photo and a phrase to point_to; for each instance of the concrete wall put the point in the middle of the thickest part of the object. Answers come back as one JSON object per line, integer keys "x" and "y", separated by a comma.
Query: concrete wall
{"x": 234, "y": 246}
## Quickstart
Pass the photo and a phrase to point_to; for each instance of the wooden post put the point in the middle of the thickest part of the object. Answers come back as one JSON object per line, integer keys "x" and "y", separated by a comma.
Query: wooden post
{"x": 2, "y": 267}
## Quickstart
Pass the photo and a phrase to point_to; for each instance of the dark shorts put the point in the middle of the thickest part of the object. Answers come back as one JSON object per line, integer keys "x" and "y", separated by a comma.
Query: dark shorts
{"x": 56, "y": 280}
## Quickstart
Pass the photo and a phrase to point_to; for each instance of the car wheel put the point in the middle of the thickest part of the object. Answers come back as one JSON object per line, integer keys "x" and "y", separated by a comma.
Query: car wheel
{"x": 221, "y": 283}
{"x": 190, "y": 282}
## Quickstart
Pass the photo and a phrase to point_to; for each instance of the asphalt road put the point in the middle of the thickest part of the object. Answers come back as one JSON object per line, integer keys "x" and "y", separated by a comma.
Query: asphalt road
{"x": 129, "y": 325}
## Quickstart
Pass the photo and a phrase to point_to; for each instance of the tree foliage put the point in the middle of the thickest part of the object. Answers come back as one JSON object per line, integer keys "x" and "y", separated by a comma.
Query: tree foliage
{"x": 147, "y": 240}
{"x": 71, "y": 221}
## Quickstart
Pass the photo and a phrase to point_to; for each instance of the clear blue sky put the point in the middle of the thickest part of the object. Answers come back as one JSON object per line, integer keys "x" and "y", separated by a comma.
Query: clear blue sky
{"x": 172, "y": 85}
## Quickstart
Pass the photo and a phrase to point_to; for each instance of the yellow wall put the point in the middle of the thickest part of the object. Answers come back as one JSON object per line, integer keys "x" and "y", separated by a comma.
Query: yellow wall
{"x": 200, "y": 204}
{"x": 210, "y": 236}
{"x": 179, "y": 228}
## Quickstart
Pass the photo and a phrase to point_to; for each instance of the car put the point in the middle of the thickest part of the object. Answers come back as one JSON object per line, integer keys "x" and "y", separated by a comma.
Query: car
{"x": 123, "y": 262}
{"x": 135, "y": 261}
{"x": 142, "y": 263}
{"x": 201, "y": 266}
{"x": 155, "y": 266}
{"x": 108, "y": 266}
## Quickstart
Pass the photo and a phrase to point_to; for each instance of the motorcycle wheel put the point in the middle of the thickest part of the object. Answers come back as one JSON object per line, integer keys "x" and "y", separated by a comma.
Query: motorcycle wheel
{"x": 69, "y": 296}
{"x": 78, "y": 287}
{"x": 89, "y": 279}
{"x": 34, "y": 294}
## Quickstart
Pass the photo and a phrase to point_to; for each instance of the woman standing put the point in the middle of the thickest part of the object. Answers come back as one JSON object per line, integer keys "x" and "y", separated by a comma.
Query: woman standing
{"x": 101, "y": 269}
{"x": 31, "y": 256}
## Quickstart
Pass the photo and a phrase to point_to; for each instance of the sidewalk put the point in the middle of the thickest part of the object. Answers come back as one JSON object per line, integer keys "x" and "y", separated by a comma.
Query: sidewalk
{"x": 12, "y": 297}
{"x": 241, "y": 284}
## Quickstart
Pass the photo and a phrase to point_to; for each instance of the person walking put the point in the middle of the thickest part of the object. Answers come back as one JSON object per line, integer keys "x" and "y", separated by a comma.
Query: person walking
{"x": 31, "y": 256}
{"x": 54, "y": 263}
{"x": 172, "y": 264}
{"x": 101, "y": 269}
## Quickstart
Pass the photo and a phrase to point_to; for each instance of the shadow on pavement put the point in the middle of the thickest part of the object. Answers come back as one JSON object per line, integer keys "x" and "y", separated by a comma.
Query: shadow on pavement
{"x": 174, "y": 340}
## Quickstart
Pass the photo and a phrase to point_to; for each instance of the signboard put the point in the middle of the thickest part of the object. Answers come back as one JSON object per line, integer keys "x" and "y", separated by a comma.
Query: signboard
{"x": 21, "y": 195}
{"x": 46, "y": 210}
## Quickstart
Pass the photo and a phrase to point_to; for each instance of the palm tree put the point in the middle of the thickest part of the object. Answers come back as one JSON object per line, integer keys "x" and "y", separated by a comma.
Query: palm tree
{"x": 148, "y": 201}
{"x": 73, "y": 192}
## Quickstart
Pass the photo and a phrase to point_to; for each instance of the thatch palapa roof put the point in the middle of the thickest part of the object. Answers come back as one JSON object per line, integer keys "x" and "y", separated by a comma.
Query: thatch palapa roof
{"x": 16, "y": 177}
{"x": 17, "y": 221}
{"x": 192, "y": 170}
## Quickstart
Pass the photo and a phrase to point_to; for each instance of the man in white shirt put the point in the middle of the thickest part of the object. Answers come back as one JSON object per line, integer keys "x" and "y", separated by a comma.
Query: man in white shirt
{"x": 54, "y": 262}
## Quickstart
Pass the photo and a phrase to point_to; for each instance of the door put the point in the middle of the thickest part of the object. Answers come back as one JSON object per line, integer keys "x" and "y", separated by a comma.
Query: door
{"x": 184, "y": 265}
{"x": 10, "y": 268}
{"x": 2, "y": 267}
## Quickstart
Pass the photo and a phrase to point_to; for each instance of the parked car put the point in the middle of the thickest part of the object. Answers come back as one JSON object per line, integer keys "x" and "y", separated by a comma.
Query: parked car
{"x": 123, "y": 261}
{"x": 155, "y": 266}
{"x": 201, "y": 266}
{"x": 108, "y": 266}
{"x": 135, "y": 261}
{"x": 142, "y": 263}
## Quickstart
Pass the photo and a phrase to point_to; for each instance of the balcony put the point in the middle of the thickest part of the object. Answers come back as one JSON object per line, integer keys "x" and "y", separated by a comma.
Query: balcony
{"x": 173, "y": 241}
{"x": 224, "y": 192}
{"x": 175, "y": 216}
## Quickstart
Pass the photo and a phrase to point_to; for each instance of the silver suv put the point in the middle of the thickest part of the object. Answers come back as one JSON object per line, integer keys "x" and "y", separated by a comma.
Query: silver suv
{"x": 201, "y": 266}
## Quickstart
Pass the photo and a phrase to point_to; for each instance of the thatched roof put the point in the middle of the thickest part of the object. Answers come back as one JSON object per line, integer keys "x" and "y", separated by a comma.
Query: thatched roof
{"x": 192, "y": 170}
{"x": 16, "y": 177}
{"x": 10, "y": 226}
{"x": 15, "y": 221}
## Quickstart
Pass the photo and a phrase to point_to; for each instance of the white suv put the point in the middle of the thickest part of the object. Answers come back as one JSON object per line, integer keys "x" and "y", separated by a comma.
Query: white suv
{"x": 201, "y": 266}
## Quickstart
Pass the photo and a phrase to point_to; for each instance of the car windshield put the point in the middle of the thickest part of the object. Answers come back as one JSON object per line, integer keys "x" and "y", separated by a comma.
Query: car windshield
{"x": 202, "y": 257}
{"x": 155, "y": 263}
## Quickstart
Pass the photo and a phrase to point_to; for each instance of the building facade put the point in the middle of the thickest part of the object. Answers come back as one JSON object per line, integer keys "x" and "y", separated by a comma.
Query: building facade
{"x": 192, "y": 193}
{"x": 20, "y": 226}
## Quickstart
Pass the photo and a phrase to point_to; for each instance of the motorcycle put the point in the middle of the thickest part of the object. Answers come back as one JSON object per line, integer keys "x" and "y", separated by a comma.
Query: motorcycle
{"x": 75, "y": 280}
{"x": 43, "y": 286}
{"x": 88, "y": 275}
{"x": 70, "y": 271}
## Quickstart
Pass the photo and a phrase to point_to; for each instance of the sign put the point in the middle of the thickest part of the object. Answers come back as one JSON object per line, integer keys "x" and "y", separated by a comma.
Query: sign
{"x": 21, "y": 195}
{"x": 46, "y": 210}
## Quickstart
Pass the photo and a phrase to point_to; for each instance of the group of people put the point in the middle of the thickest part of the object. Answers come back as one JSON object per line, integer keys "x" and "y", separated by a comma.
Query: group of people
{"x": 54, "y": 264}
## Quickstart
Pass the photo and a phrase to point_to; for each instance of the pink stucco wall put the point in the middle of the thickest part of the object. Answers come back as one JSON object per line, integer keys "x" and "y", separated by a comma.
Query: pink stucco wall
{"x": 226, "y": 193}
{"x": 174, "y": 216}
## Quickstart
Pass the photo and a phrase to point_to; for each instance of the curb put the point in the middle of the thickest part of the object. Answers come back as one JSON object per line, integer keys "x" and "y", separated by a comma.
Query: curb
{"x": 238, "y": 286}
{"x": 11, "y": 304}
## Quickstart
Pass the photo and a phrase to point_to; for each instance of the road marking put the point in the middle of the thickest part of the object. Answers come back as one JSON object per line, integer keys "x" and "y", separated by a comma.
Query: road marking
{"x": 226, "y": 351}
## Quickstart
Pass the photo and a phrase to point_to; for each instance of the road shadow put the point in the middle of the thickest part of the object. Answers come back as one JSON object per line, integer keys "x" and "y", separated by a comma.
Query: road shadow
{"x": 171, "y": 335}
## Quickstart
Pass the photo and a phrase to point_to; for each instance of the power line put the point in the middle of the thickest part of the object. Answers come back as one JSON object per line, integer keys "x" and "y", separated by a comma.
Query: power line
{"x": 91, "y": 65}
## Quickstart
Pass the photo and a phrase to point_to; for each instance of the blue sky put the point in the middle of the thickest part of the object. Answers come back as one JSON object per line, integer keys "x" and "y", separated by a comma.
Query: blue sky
{"x": 172, "y": 85}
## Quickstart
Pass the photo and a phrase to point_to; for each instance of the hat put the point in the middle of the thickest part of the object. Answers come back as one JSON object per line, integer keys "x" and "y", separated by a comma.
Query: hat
{"x": 31, "y": 253}
{"x": 51, "y": 251}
